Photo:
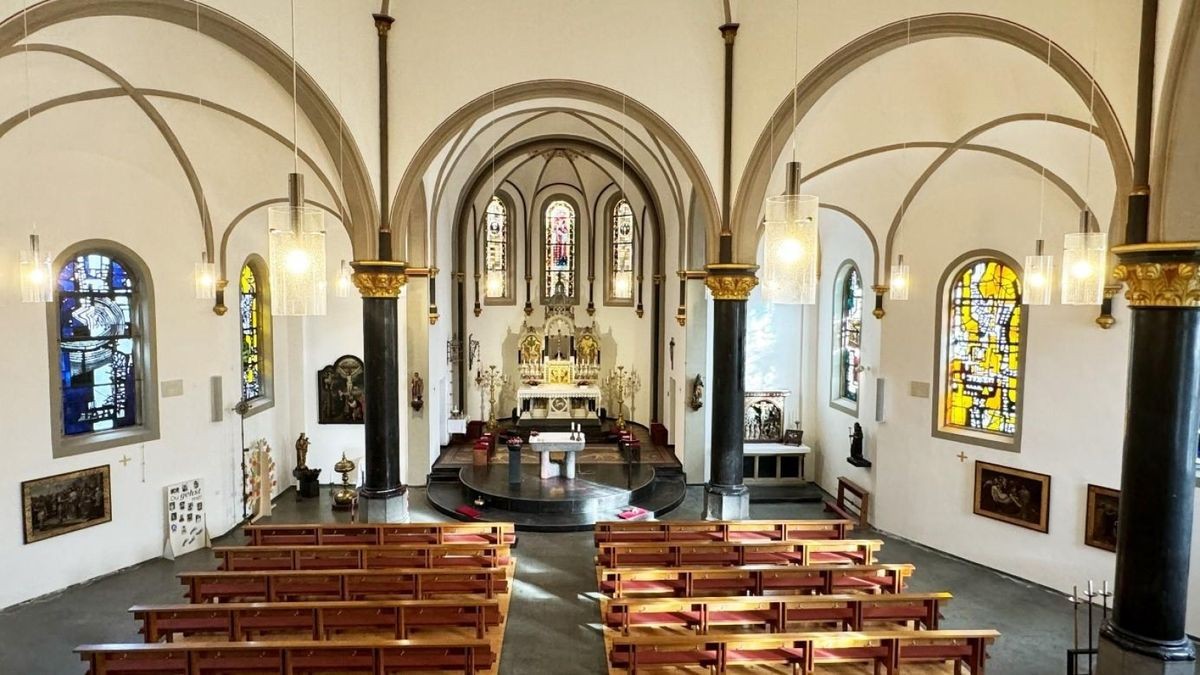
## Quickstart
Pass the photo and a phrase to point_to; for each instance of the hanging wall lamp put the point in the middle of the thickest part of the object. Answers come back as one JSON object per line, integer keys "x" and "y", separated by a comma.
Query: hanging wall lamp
{"x": 36, "y": 280}
{"x": 898, "y": 280}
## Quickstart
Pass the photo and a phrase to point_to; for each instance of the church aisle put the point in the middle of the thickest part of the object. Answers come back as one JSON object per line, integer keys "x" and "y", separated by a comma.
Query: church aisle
{"x": 553, "y": 620}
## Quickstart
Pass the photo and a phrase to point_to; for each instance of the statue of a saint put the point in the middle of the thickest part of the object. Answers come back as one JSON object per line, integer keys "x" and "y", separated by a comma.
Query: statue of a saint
{"x": 417, "y": 392}
{"x": 697, "y": 399}
{"x": 302, "y": 451}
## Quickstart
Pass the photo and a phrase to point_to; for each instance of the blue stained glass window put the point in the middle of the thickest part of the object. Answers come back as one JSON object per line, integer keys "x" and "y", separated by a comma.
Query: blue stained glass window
{"x": 850, "y": 335}
{"x": 97, "y": 298}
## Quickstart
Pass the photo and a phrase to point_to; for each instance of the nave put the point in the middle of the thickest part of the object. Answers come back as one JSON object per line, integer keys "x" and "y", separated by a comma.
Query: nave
{"x": 553, "y": 620}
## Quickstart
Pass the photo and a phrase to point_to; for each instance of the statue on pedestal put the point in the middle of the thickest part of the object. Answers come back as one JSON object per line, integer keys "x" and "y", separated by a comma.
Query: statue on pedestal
{"x": 307, "y": 478}
{"x": 856, "y": 447}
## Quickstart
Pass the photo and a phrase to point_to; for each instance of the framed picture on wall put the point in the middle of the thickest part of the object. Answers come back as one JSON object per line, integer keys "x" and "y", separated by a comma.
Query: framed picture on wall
{"x": 1013, "y": 496}
{"x": 66, "y": 502}
{"x": 341, "y": 392}
{"x": 1100, "y": 528}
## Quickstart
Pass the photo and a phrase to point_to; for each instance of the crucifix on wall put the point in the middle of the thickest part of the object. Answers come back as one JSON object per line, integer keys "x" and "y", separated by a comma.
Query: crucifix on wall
{"x": 671, "y": 349}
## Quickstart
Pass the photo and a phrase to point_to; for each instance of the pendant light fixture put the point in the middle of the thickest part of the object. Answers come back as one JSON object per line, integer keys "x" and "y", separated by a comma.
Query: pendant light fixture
{"x": 898, "y": 280}
{"x": 344, "y": 282}
{"x": 1038, "y": 286}
{"x": 1085, "y": 252}
{"x": 37, "y": 284}
{"x": 791, "y": 240}
{"x": 297, "y": 235}
{"x": 205, "y": 277}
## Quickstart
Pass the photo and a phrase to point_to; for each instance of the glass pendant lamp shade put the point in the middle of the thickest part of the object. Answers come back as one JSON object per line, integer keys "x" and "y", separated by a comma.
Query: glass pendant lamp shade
{"x": 1039, "y": 276}
{"x": 344, "y": 282}
{"x": 791, "y": 250}
{"x": 1084, "y": 255}
{"x": 297, "y": 252}
{"x": 898, "y": 280}
{"x": 493, "y": 285}
{"x": 205, "y": 279}
{"x": 36, "y": 282}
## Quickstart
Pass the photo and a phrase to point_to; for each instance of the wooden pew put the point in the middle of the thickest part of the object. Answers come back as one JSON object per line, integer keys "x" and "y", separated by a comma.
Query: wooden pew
{"x": 238, "y": 622}
{"x": 803, "y": 652}
{"x": 716, "y": 530}
{"x": 752, "y": 580}
{"x": 853, "y": 502}
{"x": 314, "y": 534}
{"x": 773, "y": 612}
{"x": 285, "y": 586}
{"x": 791, "y": 552}
{"x": 287, "y": 656}
{"x": 360, "y": 556}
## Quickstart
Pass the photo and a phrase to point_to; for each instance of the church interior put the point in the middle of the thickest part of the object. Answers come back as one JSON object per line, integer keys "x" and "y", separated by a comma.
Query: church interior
{"x": 600, "y": 336}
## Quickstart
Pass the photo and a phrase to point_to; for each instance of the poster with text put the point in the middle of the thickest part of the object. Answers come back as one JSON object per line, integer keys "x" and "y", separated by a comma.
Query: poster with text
{"x": 187, "y": 528}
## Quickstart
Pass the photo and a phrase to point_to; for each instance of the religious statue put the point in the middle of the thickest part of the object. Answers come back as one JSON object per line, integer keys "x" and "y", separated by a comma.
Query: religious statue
{"x": 417, "y": 392}
{"x": 856, "y": 447}
{"x": 697, "y": 399}
{"x": 302, "y": 451}
{"x": 671, "y": 351}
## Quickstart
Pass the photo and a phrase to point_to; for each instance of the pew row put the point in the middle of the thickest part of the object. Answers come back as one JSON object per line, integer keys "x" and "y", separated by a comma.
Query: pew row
{"x": 752, "y": 580}
{"x": 360, "y": 556}
{"x": 804, "y": 652}
{"x": 710, "y": 530}
{"x": 792, "y": 552}
{"x": 775, "y": 613}
{"x": 238, "y": 622}
{"x": 286, "y": 586}
{"x": 317, "y": 534}
{"x": 288, "y": 656}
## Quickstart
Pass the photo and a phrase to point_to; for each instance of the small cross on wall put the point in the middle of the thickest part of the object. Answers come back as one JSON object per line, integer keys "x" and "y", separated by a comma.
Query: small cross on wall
{"x": 124, "y": 460}
{"x": 962, "y": 457}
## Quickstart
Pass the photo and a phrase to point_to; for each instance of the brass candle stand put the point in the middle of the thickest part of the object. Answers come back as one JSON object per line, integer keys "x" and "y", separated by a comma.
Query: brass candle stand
{"x": 345, "y": 496}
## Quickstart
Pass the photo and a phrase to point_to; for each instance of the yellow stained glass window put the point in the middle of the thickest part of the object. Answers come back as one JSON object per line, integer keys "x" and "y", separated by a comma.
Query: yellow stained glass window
{"x": 983, "y": 348}
{"x": 251, "y": 318}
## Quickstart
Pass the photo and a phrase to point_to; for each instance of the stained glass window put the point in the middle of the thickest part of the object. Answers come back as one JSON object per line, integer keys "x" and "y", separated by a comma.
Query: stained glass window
{"x": 621, "y": 252}
{"x": 983, "y": 347}
{"x": 560, "y": 249}
{"x": 849, "y": 334}
{"x": 97, "y": 344}
{"x": 251, "y": 322}
{"x": 495, "y": 253}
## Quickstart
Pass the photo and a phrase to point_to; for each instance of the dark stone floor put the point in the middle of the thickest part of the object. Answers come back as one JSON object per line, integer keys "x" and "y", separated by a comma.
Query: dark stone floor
{"x": 553, "y": 617}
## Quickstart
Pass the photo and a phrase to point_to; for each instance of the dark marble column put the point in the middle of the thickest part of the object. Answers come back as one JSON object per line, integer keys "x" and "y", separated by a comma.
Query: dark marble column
{"x": 725, "y": 495}
{"x": 380, "y": 283}
{"x": 1145, "y": 633}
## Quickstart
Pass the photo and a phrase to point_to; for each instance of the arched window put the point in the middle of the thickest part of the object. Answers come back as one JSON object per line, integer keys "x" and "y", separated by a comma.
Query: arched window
{"x": 620, "y": 256}
{"x": 103, "y": 334}
{"x": 496, "y": 250}
{"x": 559, "y": 237}
{"x": 847, "y": 336}
{"x": 981, "y": 378}
{"x": 255, "y": 320}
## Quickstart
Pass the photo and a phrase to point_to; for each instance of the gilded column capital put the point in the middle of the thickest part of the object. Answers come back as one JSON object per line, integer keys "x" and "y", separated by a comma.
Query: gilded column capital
{"x": 379, "y": 278}
{"x": 730, "y": 281}
{"x": 1163, "y": 274}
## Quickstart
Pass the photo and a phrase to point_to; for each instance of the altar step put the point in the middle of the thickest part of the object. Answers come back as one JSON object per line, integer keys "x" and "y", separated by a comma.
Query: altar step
{"x": 557, "y": 505}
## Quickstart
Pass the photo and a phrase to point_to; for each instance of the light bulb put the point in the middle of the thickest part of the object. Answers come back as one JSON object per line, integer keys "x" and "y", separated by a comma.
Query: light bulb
{"x": 1082, "y": 269}
{"x": 297, "y": 261}
{"x": 1037, "y": 280}
{"x": 899, "y": 282}
{"x": 36, "y": 276}
{"x": 790, "y": 250}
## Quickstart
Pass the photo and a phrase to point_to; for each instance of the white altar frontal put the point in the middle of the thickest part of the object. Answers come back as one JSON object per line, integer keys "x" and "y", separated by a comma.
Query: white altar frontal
{"x": 559, "y": 401}
{"x": 547, "y": 442}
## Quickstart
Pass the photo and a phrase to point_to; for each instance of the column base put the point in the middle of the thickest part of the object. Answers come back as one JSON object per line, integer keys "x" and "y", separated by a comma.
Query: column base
{"x": 725, "y": 502}
{"x": 1119, "y": 657}
{"x": 390, "y": 508}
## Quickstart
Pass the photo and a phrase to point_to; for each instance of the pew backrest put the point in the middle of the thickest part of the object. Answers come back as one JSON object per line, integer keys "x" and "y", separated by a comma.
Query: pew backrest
{"x": 380, "y": 533}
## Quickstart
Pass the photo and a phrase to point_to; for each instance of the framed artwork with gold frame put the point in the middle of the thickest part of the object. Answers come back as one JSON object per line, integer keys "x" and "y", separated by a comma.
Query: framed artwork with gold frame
{"x": 1013, "y": 496}
{"x": 1100, "y": 530}
{"x": 66, "y": 502}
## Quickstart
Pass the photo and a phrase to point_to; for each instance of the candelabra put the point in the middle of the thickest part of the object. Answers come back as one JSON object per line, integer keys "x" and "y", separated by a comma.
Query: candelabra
{"x": 493, "y": 380}
{"x": 621, "y": 384}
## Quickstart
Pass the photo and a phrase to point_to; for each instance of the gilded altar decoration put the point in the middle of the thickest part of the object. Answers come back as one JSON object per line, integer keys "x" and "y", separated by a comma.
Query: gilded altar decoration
{"x": 731, "y": 281}
{"x": 379, "y": 278}
{"x": 558, "y": 363}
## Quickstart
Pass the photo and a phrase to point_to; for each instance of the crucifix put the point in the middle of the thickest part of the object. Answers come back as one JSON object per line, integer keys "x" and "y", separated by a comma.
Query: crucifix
{"x": 672, "y": 345}
{"x": 124, "y": 460}
{"x": 962, "y": 457}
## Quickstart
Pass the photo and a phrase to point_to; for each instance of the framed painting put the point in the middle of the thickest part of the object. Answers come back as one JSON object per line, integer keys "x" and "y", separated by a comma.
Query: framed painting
{"x": 765, "y": 416}
{"x": 341, "y": 392}
{"x": 1100, "y": 529}
{"x": 1013, "y": 496}
{"x": 66, "y": 502}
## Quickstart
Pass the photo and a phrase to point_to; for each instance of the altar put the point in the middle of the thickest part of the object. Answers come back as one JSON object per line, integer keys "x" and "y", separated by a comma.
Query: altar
{"x": 559, "y": 401}
{"x": 565, "y": 442}
{"x": 559, "y": 366}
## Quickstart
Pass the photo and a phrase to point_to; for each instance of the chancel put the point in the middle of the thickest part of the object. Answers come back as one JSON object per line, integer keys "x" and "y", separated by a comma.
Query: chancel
{"x": 601, "y": 336}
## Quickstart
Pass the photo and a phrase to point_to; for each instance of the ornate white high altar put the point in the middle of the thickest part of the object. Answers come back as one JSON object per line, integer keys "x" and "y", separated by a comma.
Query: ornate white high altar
{"x": 559, "y": 364}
